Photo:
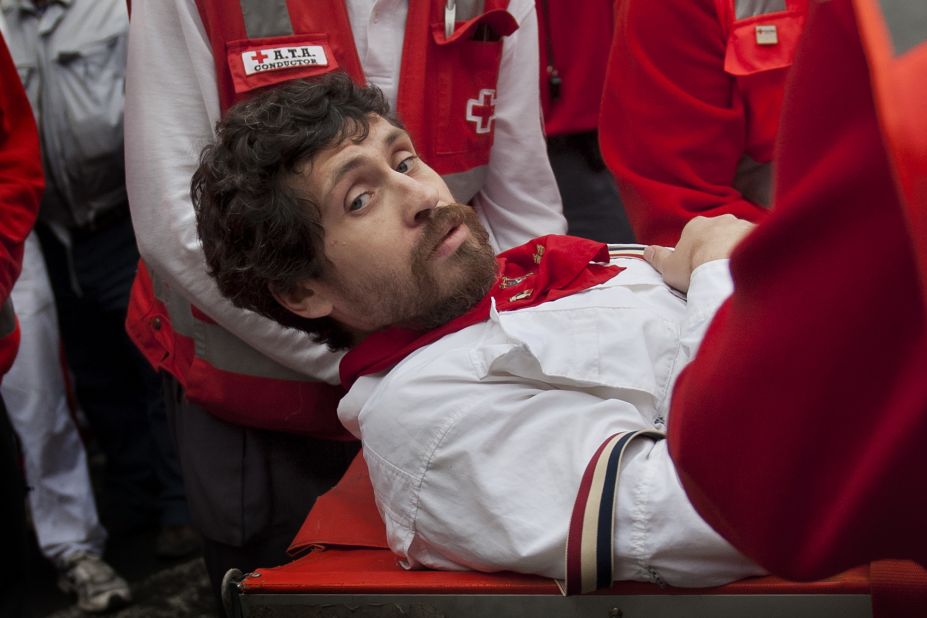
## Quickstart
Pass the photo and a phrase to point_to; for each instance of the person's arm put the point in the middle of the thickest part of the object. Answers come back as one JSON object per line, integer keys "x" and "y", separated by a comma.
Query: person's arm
{"x": 798, "y": 430}
{"x": 500, "y": 488}
{"x": 672, "y": 126}
{"x": 520, "y": 200}
{"x": 172, "y": 105}
{"x": 21, "y": 179}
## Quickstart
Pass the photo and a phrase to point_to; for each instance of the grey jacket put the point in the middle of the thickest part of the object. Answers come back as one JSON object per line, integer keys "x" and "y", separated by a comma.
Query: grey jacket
{"x": 71, "y": 59}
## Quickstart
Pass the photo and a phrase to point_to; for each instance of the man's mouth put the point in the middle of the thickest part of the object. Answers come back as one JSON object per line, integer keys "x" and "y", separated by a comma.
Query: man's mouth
{"x": 451, "y": 241}
{"x": 445, "y": 232}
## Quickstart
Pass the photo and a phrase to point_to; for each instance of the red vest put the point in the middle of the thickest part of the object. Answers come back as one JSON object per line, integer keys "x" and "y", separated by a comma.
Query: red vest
{"x": 446, "y": 95}
{"x": 691, "y": 107}
{"x": 762, "y": 37}
{"x": 446, "y": 86}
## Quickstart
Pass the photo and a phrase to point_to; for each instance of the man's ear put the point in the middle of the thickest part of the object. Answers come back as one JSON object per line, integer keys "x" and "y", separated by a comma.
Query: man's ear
{"x": 306, "y": 300}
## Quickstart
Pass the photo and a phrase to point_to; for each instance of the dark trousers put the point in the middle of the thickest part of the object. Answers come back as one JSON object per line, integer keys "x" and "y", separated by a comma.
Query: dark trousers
{"x": 249, "y": 490}
{"x": 12, "y": 522}
{"x": 591, "y": 203}
{"x": 115, "y": 387}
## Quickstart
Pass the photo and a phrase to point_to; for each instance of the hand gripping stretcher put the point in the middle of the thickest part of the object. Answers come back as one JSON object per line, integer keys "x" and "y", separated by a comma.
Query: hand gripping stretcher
{"x": 349, "y": 571}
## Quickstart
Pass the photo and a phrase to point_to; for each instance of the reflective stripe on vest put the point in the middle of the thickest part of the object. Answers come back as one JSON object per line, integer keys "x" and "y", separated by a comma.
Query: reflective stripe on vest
{"x": 754, "y": 181}
{"x": 216, "y": 345}
{"x": 464, "y": 185}
{"x": 7, "y": 318}
{"x": 466, "y": 9}
{"x": 906, "y": 21}
{"x": 265, "y": 18}
{"x": 751, "y": 8}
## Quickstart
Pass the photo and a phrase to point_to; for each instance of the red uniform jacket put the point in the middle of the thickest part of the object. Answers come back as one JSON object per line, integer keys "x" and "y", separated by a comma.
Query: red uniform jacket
{"x": 691, "y": 107}
{"x": 799, "y": 429}
{"x": 21, "y": 186}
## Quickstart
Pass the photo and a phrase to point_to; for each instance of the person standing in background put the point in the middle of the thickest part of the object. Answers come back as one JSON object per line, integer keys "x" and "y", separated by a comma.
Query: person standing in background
{"x": 691, "y": 107}
{"x": 20, "y": 191}
{"x": 575, "y": 38}
{"x": 254, "y": 402}
{"x": 71, "y": 60}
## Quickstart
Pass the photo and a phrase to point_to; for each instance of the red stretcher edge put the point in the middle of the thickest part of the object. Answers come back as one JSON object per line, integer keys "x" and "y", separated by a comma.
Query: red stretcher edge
{"x": 348, "y": 554}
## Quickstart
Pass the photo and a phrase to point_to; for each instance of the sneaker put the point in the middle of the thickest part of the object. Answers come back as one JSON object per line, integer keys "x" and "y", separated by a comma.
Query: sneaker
{"x": 97, "y": 586}
{"x": 176, "y": 541}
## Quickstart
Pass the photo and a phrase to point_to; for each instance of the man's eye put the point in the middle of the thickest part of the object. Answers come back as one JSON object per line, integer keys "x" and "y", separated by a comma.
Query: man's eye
{"x": 359, "y": 202}
{"x": 405, "y": 165}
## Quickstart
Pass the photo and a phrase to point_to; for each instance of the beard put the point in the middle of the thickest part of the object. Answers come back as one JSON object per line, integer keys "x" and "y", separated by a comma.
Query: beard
{"x": 428, "y": 293}
{"x": 445, "y": 295}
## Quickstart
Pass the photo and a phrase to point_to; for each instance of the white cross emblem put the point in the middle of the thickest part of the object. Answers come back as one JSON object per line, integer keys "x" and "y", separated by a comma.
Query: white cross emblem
{"x": 482, "y": 110}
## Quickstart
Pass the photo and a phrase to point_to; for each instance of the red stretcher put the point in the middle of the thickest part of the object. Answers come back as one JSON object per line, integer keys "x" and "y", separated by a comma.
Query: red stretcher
{"x": 348, "y": 571}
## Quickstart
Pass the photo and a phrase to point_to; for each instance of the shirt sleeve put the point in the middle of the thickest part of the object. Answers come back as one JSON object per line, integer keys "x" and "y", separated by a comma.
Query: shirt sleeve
{"x": 499, "y": 490}
{"x": 519, "y": 200}
{"x": 672, "y": 125}
{"x": 172, "y": 105}
{"x": 709, "y": 286}
{"x": 21, "y": 180}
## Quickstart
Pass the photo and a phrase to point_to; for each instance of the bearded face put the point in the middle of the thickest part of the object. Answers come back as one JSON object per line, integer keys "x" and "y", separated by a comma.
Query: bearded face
{"x": 429, "y": 288}
{"x": 398, "y": 249}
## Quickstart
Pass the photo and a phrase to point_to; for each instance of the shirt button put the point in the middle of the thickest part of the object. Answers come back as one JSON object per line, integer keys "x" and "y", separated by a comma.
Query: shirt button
{"x": 156, "y": 323}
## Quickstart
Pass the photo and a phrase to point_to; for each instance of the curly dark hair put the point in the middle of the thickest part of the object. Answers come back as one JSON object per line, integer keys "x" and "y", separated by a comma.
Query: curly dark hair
{"x": 261, "y": 236}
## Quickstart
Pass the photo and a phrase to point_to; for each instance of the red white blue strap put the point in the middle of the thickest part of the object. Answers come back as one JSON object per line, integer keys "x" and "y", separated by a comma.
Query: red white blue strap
{"x": 626, "y": 250}
{"x": 590, "y": 553}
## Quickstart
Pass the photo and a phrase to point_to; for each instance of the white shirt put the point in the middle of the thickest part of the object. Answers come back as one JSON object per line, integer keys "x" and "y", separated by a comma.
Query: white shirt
{"x": 476, "y": 444}
{"x": 172, "y": 105}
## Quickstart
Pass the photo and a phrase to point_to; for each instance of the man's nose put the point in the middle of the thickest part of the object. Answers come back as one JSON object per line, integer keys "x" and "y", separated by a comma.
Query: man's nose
{"x": 420, "y": 200}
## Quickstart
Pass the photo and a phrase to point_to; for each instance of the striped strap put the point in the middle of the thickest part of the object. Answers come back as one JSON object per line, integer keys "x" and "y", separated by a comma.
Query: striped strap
{"x": 590, "y": 554}
{"x": 628, "y": 250}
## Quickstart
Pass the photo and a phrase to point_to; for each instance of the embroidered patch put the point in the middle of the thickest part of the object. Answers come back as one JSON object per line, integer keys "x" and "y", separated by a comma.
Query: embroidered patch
{"x": 482, "y": 110}
{"x": 510, "y": 282}
{"x": 538, "y": 253}
{"x": 767, "y": 35}
{"x": 277, "y": 58}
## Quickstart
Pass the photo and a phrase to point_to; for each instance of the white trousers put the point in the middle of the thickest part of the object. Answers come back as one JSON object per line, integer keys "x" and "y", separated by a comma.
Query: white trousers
{"x": 61, "y": 498}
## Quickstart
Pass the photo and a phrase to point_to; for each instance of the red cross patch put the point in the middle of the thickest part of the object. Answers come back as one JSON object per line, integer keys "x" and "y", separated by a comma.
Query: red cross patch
{"x": 481, "y": 111}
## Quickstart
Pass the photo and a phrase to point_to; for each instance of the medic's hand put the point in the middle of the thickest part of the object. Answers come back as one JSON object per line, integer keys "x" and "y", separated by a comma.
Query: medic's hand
{"x": 703, "y": 239}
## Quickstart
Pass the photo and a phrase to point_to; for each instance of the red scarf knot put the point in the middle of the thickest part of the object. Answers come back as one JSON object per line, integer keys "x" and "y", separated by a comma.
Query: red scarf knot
{"x": 541, "y": 270}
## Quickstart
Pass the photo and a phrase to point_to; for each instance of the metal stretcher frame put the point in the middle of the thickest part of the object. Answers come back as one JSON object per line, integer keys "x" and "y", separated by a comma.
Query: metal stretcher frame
{"x": 369, "y": 582}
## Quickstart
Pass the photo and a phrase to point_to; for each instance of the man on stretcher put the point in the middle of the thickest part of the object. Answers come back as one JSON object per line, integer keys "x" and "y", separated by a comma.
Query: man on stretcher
{"x": 499, "y": 400}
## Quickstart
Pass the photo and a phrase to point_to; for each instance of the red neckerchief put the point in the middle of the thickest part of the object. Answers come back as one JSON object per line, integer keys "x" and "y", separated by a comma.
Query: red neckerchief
{"x": 544, "y": 269}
